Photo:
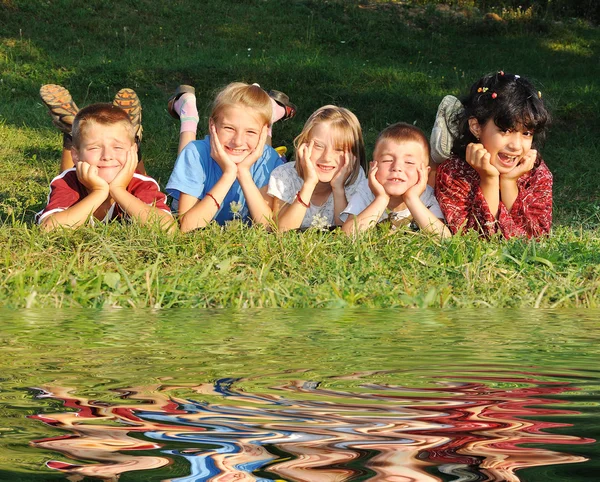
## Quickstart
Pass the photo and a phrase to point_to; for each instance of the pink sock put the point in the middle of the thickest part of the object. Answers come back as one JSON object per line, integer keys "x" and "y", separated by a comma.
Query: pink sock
{"x": 185, "y": 106}
{"x": 277, "y": 113}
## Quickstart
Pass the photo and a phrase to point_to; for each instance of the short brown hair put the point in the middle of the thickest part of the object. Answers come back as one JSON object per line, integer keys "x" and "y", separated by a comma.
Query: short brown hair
{"x": 242, "y": 94}
{"x": 346, "y": 126}
{"x": 402, "y": 132}
{"x": 101, "y": 113}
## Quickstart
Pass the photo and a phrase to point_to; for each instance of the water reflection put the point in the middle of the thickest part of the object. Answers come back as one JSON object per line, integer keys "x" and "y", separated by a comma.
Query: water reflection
{"x": 474, "y": 428}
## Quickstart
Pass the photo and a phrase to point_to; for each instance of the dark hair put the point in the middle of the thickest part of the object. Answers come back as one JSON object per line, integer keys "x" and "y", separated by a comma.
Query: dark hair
{"x": 105, "y": 114}
{"x": 403, "y": 132}
{"x": 510, "y": 100}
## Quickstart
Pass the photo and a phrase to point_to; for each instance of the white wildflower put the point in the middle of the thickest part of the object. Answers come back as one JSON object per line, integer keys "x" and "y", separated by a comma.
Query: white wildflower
{"x": 319, "y": 222}
{"x": 236, "y": 208}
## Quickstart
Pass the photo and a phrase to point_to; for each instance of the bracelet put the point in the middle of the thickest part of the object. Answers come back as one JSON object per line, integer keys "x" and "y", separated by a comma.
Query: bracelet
{"x": 299, "y": 199}
{"x": 213, "y": 198}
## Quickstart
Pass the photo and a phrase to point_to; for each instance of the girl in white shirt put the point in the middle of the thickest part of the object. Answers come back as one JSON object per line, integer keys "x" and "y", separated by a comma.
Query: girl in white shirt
{"x": 314, "y": 190}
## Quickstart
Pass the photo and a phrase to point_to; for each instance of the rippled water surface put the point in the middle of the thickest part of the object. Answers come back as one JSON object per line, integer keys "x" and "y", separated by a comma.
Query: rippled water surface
{"x": 312, "y": 395}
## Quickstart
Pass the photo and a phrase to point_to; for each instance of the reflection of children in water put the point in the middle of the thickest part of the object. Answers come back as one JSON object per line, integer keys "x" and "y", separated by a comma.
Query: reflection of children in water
{"x": 101, "y": 443}
{"x": 468, "y": 430}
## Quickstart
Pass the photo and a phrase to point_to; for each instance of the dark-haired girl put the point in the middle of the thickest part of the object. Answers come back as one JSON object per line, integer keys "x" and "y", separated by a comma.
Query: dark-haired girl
{"x": 495, "y": 181}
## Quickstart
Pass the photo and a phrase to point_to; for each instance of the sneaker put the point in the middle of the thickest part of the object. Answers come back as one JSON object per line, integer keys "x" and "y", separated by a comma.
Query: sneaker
{"x": 60, "y": 105}
{"x": 128, "y": 100}
{"x": 284, "y": 101}
{"x": 445, "y": 128}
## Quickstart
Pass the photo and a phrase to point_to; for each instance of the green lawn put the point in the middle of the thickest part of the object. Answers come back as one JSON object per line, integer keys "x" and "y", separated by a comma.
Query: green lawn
{"x": 387, "y": 61}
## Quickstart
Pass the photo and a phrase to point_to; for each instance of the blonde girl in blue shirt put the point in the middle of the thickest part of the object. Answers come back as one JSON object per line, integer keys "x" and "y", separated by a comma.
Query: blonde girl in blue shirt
{"x": 224, "y": 175}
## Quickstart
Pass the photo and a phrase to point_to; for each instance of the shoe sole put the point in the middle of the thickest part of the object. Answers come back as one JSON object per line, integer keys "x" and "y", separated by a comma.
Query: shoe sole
{"x": 60, "y": 104}
{"x": 129, "y": 101}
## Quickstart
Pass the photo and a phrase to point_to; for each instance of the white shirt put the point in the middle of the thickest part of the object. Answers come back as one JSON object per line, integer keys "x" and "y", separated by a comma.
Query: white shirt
{"x": 285, "y": 182}
{"x": 363, "y": 198}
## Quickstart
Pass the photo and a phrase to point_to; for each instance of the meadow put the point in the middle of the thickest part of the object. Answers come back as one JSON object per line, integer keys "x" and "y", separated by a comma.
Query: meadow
{"x": 387, "y": 61}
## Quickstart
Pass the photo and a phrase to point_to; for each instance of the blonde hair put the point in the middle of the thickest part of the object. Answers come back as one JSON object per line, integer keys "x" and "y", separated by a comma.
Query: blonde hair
{"x": 403, "y": 132}
{"x": 242, "y": 94}
{"x": 103, "y": 114}
{"x": 347, "y": 130}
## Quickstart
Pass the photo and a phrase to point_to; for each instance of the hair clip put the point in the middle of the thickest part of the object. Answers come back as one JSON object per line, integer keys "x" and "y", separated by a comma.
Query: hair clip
{"x": 517, "y": 77}
{"x": 494, "y": 95}
{"x": 480, "y": 90}
{"x": 539, "y": 94}
{"x": 501, "y": 72}
{"x": 485, "y": 89}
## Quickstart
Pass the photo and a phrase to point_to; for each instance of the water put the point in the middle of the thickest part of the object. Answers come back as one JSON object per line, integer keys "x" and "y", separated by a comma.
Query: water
{"x": 307, "y": 395}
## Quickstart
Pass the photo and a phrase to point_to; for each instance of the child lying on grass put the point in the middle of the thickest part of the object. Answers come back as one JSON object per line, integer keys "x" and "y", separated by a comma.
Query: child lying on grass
{"x": 103, "y": 184}
{"x": 314, "y": 190}
{"x": 398, "y": 185}
{"x": 230, "y": 167}
{"x": 495, "y": 181}
{"x": 63, "y": 110}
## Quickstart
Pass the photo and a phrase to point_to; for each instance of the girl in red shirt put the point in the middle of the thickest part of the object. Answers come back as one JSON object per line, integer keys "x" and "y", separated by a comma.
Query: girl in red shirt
{"x": 495, "y": 181}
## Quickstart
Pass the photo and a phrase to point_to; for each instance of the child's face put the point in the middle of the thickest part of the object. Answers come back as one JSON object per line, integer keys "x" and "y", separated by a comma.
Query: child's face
{"x": 327, "y": 152}
{"x": 397, "y": 163}
{"x": 238, "y": 130}
{"x": 104, "y": 146}
{"x": 506, "y": 148}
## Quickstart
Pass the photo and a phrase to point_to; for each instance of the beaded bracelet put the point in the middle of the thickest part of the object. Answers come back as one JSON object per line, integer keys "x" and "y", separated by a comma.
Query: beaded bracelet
{"x": 213, "y": 198}
{"x": 299, "y": 199}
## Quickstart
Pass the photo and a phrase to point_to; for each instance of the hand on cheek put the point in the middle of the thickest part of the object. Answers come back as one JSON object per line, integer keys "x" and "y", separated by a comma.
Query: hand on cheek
{"x": 88, "y": 176}
{"x": 416, "y": 190}
{"x": 217, "y": 152}
{"x": 479, "y": 159}
{"x": 524, "y": 165}
{"x": 339, "y": 179}
{"x": 124, "y": 176}
{"x": 308, "y": 168}
{"x": 253, "y": 156}
{"x": 376, "y": 187}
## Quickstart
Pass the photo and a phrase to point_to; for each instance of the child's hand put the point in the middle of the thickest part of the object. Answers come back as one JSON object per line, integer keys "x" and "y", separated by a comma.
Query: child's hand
{"x": 124, "y": 176}
{"x": 376, "y": 188}
{"x": 218, "y": 153}
{"x": 304, "y": 157}
{"x": 88, "y": 176}
{"x": 524, "y": 165}
{"x": 251, "y": 158}
{"x": 419, "y": 187}
{"x": 339, "y": 179}
{"x": 479, "y": 159}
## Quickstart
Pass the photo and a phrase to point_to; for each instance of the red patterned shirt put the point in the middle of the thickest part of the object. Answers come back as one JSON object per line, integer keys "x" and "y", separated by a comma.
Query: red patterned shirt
{"x": 66, "y": 191}
{"x": 458, "y": 191}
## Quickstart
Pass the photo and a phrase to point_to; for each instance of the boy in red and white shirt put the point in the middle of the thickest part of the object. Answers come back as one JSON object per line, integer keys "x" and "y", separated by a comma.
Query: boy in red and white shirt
{"x": 103, "y": 185}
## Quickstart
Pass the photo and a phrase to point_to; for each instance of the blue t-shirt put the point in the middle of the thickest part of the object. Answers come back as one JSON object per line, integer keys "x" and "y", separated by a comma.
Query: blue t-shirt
{"x": 195, "y": 173}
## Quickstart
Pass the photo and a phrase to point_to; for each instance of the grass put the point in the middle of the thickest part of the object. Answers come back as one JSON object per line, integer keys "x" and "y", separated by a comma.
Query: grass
{"x": 242, "y": 267}
{"x": 385, "y": 60}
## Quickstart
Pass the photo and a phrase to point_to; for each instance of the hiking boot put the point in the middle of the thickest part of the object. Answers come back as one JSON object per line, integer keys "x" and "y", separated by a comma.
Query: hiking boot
{"x": 60, "y": 105}
{"x": 128, "y": 100}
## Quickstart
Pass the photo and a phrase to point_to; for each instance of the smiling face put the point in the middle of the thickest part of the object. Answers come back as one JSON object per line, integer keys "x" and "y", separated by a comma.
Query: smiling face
{"x": 327, "y": 152}
{"x": 104, "y": 146}
{"x": 506, "y": 147}
{"x": 397, "y": 163}
{"x": 238, "y": 130}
